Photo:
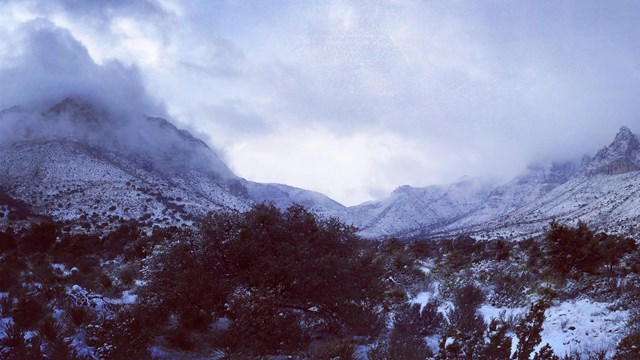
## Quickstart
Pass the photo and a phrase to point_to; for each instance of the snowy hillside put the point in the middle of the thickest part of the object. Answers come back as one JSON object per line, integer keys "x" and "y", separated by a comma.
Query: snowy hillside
{"x": 601, "y": 191}
{"x": 86, "y": 162}
{"x": 76, "y": 162}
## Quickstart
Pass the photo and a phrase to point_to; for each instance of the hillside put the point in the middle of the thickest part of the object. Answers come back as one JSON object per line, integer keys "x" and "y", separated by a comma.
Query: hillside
{"x": 83, "y": 162}
{"x": 600, "y": 191}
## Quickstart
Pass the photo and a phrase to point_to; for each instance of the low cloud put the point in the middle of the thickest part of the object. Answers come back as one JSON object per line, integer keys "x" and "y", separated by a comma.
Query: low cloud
{"x": 51, "y": 64}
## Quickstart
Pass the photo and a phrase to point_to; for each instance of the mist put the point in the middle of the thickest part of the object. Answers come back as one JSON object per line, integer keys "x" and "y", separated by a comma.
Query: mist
{"x": 57, "y": 91}
{"x": 351, "y": 99}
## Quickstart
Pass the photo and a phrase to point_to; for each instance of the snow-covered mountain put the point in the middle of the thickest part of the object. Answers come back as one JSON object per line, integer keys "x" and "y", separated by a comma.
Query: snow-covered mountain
{"x": 84, "y": 164}
{"x": 602, "y": 191}
{"x": 78, "y": 162}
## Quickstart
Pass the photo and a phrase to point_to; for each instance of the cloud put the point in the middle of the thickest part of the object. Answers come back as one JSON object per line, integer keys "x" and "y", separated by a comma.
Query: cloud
{"x": 441, "y": 89}
{"x": 50, "y": 64}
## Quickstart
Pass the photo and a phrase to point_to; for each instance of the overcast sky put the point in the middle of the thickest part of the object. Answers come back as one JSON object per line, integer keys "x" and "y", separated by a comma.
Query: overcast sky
{"x": 349, "y": 98}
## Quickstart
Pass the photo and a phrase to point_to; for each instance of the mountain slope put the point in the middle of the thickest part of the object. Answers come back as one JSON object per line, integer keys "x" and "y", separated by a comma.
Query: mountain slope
{"x": 89, "y": 166}
{"x": 411, "y": 209}
{"x": 83, "y": 164}
{"x": 602, "y": 191}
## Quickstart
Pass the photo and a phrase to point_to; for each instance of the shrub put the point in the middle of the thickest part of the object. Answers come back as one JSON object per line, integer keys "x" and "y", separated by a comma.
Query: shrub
{"x": 125, "y": 336}
{"x": 464, "y": 317}
{"x": 128, "y": 275}
{"x": 7, "y": 242}
{"x": 305, "y": 267}
{"x": 546, "y": 353}
{"x": 28, "y": 311}
{"x": 13, "y": 345}
{"x": 529, "y": 329}
{"x": 39, "y": 238}
{"x": 286, "y": 277}
{"x": 629, "y": 347}
{"x": 78, "y": 315}
{"x": 115, "y": 243}
{"x": 184, "y": 279}
{"x": 179, "y": 339}
{"x": 498, "y": 345}
{"x": 72, "y": 246}
{"x": 335, "y": 349}
{"x": 230, "y": 345}
{"x": 51, "y": 330}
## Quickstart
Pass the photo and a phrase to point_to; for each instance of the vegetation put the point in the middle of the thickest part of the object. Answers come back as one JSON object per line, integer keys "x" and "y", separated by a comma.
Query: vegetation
{"x": 271, "y": 282}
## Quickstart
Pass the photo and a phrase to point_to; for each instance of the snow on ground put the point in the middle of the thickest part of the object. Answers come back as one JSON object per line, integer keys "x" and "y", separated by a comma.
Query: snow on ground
{"x": 4, "y": 322}
{"x": 61, "y": 268}
{"x": 584, "y": 325}
{"x": 492, "y": 312}
{"x": 126, "y": 298}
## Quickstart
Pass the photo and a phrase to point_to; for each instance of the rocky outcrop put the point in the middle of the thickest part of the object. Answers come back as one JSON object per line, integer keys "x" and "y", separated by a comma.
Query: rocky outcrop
{"x": 621, "y": 156}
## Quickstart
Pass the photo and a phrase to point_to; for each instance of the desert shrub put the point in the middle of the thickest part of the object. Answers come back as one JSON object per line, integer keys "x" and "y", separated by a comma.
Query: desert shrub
{"x": 534, "y": 253}
{"x": 13, "y": 344}
{"x": 87, "y": 263}
{"x": 28, "y": 311}
{"x": 72, "y": 246}
{"x": 422, "y": 249}
{"x": 9, "y": 273}
{"x": 266, "y": 328}
{"x": 304, "y": 267}
{"x": 179, "y": 339}
{"x": 579, "y": 248}
{"x": 116, "y": 241}
{"x": 613, "y": 248}
{"x": 128, "y": 275}
{"x": 498, "y": 249}
{"x": 425, "y": 321}
{"x": 571, "y": 248}
{"x": 39, "y": 238}
{"x": 465, "y": 317}
{"x": 51, "y": 330}
{"x": 7, "y": 242}
{"x": 529, "y": 329}
{"x": 125, "y": 336}
{"x": 399, "y": 263}
{"x": 6, "y": 305}
{"x": 465, "y": 330}
{"x": 402, "y": 346}
{"x": 285, "y": 277}
{"x": 412, "y": 324}
{"x": 230, "y": 345}
{"x": 498, "y": 344}
{"x": 546, "y": 353}
{"x": 78, "y": 315}
{"x": 629, "y": 347}
{"x": 462, "y": 251}
{"x": 184, "y": 279}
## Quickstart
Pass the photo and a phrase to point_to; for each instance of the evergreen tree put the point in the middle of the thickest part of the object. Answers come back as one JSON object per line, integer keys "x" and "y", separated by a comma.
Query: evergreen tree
{"x": 528, "y": 331}
{"x": 546, "y": 353}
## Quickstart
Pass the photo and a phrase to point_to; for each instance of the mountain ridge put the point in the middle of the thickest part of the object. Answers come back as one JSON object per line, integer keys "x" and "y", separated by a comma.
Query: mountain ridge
{"x": 87, "y": 164}
{"x": 525, "y": 205}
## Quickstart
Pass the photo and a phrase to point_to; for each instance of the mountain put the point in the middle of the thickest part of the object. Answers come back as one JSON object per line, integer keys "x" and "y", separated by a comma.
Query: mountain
{"x": 410, "y": 209}
{"x": 87, "y": 165}
{"x": 602, "y": 191}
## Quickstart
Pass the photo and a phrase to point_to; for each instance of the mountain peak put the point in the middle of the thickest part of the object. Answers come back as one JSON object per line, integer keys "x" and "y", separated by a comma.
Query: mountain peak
{"x": 621, "y": 156}
{"x": 75, "y": 108}
{"x": 624, "y": 135}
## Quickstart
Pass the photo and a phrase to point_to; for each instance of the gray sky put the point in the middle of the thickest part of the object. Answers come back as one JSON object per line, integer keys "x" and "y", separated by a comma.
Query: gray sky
{"x": 350, "y": 98}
